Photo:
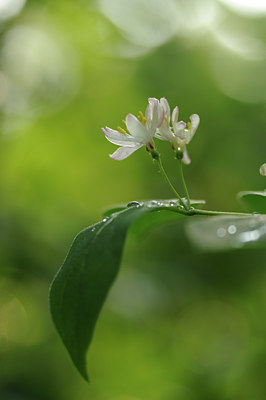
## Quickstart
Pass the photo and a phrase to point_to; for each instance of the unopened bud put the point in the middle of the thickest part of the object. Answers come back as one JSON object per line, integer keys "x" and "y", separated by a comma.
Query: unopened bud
{"x": 179, "y": 154}
{"x": 155, "y": 155}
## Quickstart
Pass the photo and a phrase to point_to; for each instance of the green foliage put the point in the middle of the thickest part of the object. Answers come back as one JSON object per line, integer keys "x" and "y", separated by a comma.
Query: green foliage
{"x": 80, "y": 288}
{"x": 254, "y": 201}
{"x": 81, "y": 285}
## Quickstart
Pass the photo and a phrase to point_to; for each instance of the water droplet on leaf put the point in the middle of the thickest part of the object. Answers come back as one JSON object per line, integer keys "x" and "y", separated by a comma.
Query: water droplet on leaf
{"x": 133, "y": 204}
{"x": 172, "y": 203}
{"x": 152, "y": 203}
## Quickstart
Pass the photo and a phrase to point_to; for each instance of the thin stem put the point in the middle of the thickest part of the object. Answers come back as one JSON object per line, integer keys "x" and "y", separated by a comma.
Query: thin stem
{"x": 183, "y": 181}
{"x": 195, "y": 211}
{"x": 206, "y": 212}
{"x": 169, "y": 183}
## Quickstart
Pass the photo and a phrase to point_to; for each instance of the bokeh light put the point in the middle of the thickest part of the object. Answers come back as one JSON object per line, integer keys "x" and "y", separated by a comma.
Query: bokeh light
{"x": 254, "y": 8}
{"x": 10, "y": 8}
{"x": 40, "y": 74}
{"x": 146, "y": 27}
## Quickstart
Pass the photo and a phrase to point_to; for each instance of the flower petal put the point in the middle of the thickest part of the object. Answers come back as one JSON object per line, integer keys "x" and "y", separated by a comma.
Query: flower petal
{"x": 137, "y": 130}
{"x": 154, "y": 123}
{"x": 186, "y": 160}
{"x": 123, "y": 152}
{"x": 179, "y": 129}
{"x": 118, "y": 138}
{"x": 149, "y": 110}
{"x": 165, "y": 106}
{"x": 165, "y": 133}
{"x": 161, "y": 137}
{"x": 175, "y": 115}
{"x": 154, "y": 115}
{"x": 195, "y": 120}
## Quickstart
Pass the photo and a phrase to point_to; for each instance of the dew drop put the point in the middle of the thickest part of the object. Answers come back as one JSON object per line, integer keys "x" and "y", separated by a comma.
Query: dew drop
{"x": 172, "y": 203}
{"x": 153, "y": 203}
{"x": 231, "y": 229}
{"x": 105, "y": 219}
{"x": 133, "y": 204}
{"x": 221, "y": 232}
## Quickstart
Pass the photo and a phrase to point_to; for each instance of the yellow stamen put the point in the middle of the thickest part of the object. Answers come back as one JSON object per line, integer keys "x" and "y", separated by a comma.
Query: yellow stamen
{"x": 124, "y": 122}
{"x": 121, "y": 130}
{"x": 189, "y": 125}
{"x": 142, "y": 118}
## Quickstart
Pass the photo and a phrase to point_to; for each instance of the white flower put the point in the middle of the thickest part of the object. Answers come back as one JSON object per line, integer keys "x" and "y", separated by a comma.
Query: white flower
{"x": 140, "y": 134}
{"x": 165, "y": 132}
{"x": 180, "y": 134}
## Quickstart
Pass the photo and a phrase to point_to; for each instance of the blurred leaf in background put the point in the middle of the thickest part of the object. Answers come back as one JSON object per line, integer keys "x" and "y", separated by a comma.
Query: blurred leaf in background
{"x": 195, "y": 326}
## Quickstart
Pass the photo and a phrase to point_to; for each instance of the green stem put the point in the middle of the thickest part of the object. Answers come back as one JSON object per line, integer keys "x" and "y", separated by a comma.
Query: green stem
{"x": 183, "y": 181}
{"x": 169, "y": 183}
{"x": 195, "y": 211}
{"x": 206, "y": 212}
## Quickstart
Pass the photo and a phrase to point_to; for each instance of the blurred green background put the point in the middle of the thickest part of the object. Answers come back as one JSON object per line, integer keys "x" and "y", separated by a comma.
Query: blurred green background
{"x": 178, "y": 324}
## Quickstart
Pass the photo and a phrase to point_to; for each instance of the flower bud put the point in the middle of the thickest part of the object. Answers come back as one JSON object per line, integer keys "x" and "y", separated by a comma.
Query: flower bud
{"x": 155, "y": 155}
{"x": 179, "y": 154}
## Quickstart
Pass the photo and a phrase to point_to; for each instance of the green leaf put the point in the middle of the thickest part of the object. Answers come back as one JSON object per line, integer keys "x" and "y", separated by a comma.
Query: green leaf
{"x": 80, "y": 287}
{"x": 254, "y": 201}
{"x": 113, "y": 209}
{"x": 162, "y": 203}
{"x": 149, "y": 221}
{"x": 227, "y": 232}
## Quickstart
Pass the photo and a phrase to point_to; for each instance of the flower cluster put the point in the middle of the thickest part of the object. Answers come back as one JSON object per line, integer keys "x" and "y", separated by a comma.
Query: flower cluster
{"x": 157, "y": 123}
